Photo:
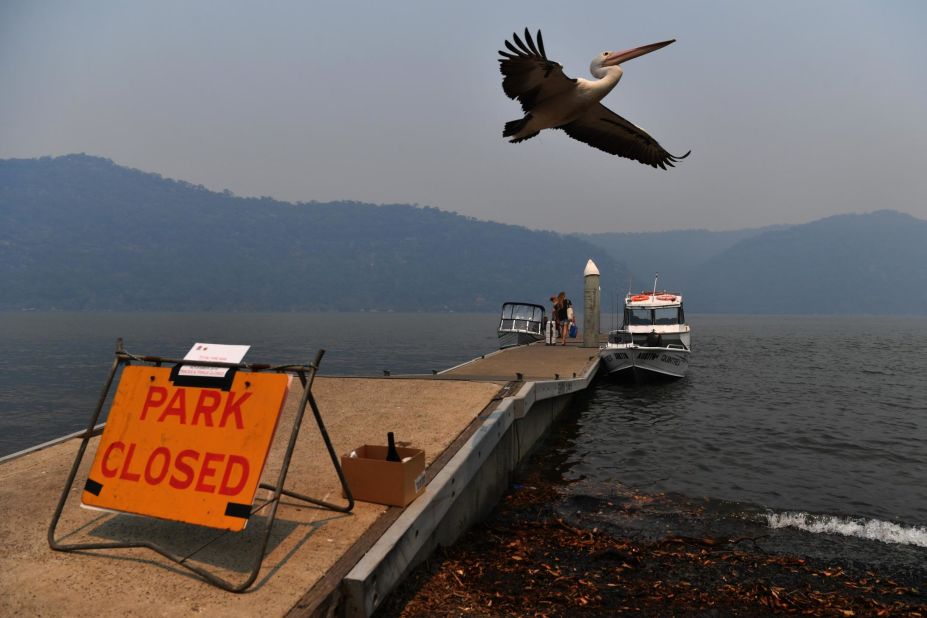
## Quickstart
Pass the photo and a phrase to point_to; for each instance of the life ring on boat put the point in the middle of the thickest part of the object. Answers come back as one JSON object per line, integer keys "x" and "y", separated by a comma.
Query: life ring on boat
{"x": 639, "y": 297}
{"x": 666, "y": 297}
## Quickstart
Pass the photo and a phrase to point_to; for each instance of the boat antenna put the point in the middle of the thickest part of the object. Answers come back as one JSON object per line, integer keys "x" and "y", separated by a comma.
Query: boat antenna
{"x": 655, "y": 277}
{"x": 619, "y": 303}
{"x": 614, "y": 312}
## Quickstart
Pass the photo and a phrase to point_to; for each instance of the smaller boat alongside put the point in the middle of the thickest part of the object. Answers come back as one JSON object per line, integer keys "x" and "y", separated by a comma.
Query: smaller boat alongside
{"x": 653, "y": 341}
{"x": 521, "y": 323}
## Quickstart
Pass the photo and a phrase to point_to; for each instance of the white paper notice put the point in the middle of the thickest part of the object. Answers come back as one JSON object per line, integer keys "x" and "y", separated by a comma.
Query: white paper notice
{"x": 213, "y": 352}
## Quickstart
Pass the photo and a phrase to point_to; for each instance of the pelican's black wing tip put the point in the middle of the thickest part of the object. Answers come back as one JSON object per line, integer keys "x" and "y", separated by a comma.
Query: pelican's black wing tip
{"x": 671, "y": 160}
{"x": 541, "y": 45}
{"x": 530, "y": 42}
{"x": 528, "y": 46}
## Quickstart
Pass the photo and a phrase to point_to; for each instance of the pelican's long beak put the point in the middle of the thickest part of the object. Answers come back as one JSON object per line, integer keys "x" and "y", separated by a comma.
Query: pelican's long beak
{"x": 616, "y": 58}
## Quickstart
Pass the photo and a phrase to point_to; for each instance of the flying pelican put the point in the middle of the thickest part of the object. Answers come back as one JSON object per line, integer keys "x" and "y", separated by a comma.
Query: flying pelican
{"x": 551, "y": 100}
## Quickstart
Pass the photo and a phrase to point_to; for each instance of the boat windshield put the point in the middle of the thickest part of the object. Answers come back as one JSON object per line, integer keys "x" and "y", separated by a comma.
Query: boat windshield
{"x": 638, "y": 317}
{"x": 667, "y": 315}
{"x": 647, "y": 317}
{"x": 523, "y": 318}
{"x": 522, "y": 312}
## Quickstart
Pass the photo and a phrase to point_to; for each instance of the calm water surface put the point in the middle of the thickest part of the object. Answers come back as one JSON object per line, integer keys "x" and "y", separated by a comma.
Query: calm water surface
{"x": 807, "y": 431}
{"x": 53, "y": 364}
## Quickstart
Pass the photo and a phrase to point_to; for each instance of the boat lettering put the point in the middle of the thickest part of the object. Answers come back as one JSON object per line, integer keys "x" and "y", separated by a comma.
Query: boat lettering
{"x": 674, "y": 360}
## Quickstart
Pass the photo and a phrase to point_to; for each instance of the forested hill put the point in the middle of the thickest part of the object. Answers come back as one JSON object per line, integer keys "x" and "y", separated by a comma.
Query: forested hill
{"x": 82, "y": 233}
{"x": 674, "y": 254}
{"x": 873, "y": 263}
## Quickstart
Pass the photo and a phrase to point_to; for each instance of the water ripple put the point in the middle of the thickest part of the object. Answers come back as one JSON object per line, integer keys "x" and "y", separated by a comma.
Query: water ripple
{"x": 869, "y": 529}
{"x": 789, "y": 412}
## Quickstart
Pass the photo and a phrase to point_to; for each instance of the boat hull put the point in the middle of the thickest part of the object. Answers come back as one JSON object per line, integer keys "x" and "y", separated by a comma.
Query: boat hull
{"x": 641, "y": 363}
{"x": 509, "y": 339}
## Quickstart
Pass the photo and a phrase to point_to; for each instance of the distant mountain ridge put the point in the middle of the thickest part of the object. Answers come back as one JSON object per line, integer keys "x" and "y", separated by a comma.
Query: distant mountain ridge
{"x": 673, "y": 254}
{"x": 873, "y": 263}
{"x": 81, "y": 233}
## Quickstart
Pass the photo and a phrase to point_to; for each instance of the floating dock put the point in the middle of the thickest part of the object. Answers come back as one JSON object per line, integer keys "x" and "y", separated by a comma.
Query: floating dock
{"x": 475, "y": 422}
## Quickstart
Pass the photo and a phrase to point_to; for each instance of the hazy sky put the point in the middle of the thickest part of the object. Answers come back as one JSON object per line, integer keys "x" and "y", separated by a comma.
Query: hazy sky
{"x": 793, "y": 110}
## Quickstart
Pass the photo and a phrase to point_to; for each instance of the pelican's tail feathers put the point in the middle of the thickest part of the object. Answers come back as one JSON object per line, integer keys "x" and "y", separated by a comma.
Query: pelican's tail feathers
{"x": 514, "y": 127}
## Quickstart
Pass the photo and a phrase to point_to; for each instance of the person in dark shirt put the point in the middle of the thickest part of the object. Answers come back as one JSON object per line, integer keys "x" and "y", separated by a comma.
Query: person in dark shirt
{"x": 554, "y": 320}
{"x": 562, "y": 317}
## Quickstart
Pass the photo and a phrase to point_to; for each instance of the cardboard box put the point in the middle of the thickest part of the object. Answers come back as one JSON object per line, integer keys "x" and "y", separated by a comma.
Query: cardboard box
{"x": 373, "y": 479}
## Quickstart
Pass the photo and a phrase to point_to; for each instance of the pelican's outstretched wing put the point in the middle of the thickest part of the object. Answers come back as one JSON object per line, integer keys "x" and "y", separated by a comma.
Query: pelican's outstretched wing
{"x": 529, "y": 76}
{"x": 602, "y": 128}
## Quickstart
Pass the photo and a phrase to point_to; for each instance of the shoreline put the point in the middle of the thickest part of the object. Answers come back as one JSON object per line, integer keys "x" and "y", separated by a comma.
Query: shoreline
{"x": 526, "y": 560}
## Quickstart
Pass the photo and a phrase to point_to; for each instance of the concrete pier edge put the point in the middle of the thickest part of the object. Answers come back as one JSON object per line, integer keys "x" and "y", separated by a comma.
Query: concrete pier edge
{"x": 461, "y": 493}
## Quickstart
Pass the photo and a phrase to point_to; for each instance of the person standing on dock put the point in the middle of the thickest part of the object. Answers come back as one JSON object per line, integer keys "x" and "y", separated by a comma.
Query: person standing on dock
{"x": 555, "y": 319}
{"x": 550, "y": 326}
{"x": 563, "y": 322}
{"x": 571, "y": 319}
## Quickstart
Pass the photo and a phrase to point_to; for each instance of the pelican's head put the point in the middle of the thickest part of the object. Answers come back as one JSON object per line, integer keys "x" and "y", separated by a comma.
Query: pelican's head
{"x": 612, "y": 59}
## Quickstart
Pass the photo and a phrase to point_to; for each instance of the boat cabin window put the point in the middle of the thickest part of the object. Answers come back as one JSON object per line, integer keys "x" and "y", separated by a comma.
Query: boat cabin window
{"x": 522, "y": 312}
{"x": 667, "y": 315}
{"x": 648, "y": 317}
{"x": 522, "y": 317}
{"x": 637, "y": 317}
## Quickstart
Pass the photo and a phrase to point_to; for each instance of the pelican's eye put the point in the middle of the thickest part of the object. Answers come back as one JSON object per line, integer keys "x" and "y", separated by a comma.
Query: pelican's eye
{"x": 604, "y": 54}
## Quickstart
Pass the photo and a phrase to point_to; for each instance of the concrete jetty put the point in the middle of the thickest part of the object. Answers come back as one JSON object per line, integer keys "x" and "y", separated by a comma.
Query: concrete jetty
{"x": 475, "y": 422}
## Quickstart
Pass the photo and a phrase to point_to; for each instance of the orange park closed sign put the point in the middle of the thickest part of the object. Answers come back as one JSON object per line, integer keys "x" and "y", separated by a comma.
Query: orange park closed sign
{"x": 186, "y": 453}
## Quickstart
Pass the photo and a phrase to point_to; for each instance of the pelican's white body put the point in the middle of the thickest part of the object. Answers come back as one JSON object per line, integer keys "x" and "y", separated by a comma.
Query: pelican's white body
{"x": 567, "y": 106}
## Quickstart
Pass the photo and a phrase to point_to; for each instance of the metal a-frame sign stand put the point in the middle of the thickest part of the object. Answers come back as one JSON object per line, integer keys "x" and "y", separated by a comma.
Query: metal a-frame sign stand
{"x": 306, "y": 374}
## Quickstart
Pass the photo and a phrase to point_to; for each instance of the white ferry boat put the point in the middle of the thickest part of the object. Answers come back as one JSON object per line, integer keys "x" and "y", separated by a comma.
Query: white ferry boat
{"x": 653, "y": 341}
